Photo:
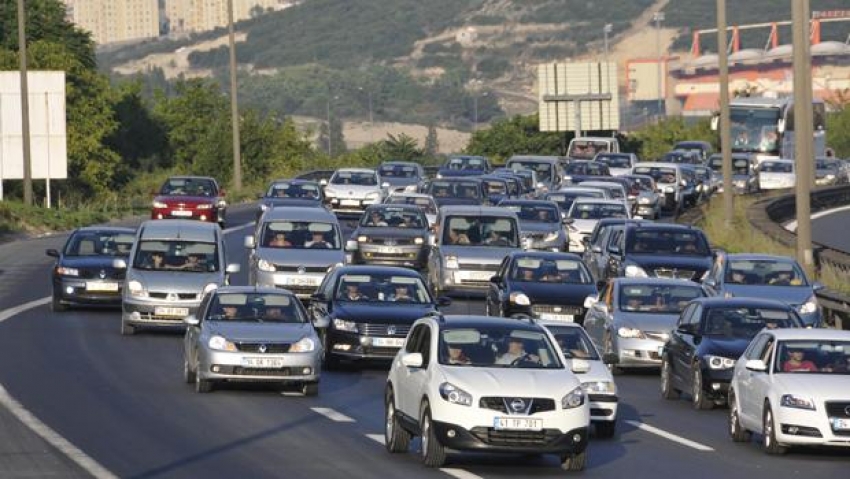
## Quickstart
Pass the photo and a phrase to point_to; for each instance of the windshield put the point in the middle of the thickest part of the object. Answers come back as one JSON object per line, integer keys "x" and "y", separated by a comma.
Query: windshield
{"x": 189, "y": 256}
{"x": 465, "y": 163}
{"x": 255, "y": 308}
{"x": 538, "y": 213}
{"x": 542, "y": 168}
{"x": 586, "y": 149}
{"x": 309, "y": 191}
{"x": 644, "y": 183}
{"x": 819, "y": 356}
{"x": 597, "y": 211}
{"x": 765, "y": 272}
{"x": 497, "y": 346}
{"x": 677, "y": 157}
{"x": 667, "y": 242}
{"x": 745, "y": 323}
{"x": 529, "y": 269}
{"x": 299, "y": 235}
{"x": 495, "y": 187}
{"x": 777, "y": 167}
{"x": 658, "y": 173}
{"x": 615, "y": 161}
{"x": 99, "y": 243}
{"x": 354, "y": 178}
{"x": 382, "y": 288}
{"x": 565, "y": 199}
{"x": 397, "y": 171}
{"x": 455, "y": 189}
{"x": 395, "y": 217}
{"x": 754, "y": 129}
{"x": 425, "y": 204}
{"x": 716, "y": 163}
{"x": 574, "y": 342}
{"x": 494, "y": 231}
{"x": 651, "y": 298}
{"x": 188, "y": 187}
{"x": 741, "y": 167}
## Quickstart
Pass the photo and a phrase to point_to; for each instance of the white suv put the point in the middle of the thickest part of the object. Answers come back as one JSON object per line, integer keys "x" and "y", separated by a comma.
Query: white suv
{"x": 479, "y": 383}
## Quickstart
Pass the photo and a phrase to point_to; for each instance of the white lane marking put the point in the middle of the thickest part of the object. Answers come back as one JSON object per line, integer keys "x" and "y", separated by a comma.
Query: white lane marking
{"x": 669, "y": 435}
{"x": 52, "y": 437}
{"x": 8, "y": 313}
{"x": 379, "y": 438}
{"x": 459, "y": 473}
{"x": 332, "y": 415}
{"x": 237, "y": 228}
{"x": 792, "y": 225}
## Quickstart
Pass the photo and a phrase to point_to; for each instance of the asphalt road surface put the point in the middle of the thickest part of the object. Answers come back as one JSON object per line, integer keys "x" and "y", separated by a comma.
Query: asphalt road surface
{"x": 123, "y": 403}
{"x": 832, "y": 230}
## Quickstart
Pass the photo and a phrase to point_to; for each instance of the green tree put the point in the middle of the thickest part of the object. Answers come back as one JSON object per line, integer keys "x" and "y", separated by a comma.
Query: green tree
{"x": 656, "y": 139}
{"x": 516, "y": 135}
{"x": 402, "y": 147}
{"x": 140, "y": 139}
{"x": 838, "y": 126}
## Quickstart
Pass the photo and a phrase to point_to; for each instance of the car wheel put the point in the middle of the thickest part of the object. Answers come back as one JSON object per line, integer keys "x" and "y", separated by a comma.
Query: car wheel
{"x": 310, "y": 389}
{"x": 736, "y": 431}
{"x": 698, "y": 398}
{"x": 667, "y": 389}
{"x": 202, "y": 385}
{"x": 188, "y": 373}
{"x": 127, "y": 329}
{"x": 609, "y": 348}
{"x": 433, "y": 453}
{"x": 769, "y": 433}
{"x": 56, "y": 304}
{"x": 329, "y": 361}
{"x": 606, "y": 429}
{"x": 574, "y": 462}
{"x": 396, "y": 439}
{"x": 221, "y": 224}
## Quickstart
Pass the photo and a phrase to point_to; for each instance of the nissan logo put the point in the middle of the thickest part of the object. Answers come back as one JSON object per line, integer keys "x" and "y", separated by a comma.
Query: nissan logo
{"x": 517, "y": 405}
{"x": 263, "y": 348}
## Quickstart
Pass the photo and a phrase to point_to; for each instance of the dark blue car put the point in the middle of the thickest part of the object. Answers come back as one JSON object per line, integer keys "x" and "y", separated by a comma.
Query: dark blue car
{"x": 464, "y": 165}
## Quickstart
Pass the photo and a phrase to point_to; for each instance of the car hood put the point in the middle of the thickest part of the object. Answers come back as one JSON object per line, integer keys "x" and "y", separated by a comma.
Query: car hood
{"x": 598, "y": 371}
{"x": 382, "y": 312}
{"x": 449, "y": 201}
{"x": 652, "y": 261}
{"x": 186, "y": 200}
{"x": 260, "y": 332}
{"x": 90, "y": 261}
{"x": 538, "y": 227}
{"x": 400, "y": 181}
{"x": 619, "y": 171}
{"x": 302, "y": 257}
{"x": 555, "y": 293}
{"x": 551, "y": 383}
{"x": 174, "y": 281}
{"x": 351, "y": 191}
{"x": 291, "y": 202}
{"x": 446, "y": 173}
{"x": 662, "y": 323}
{"x": 585, "y": 226}
{"x": 741, "y": 177}
{"x": 390, "y": 232}
{"x": 822, "y": 386}
{"x": 789, "y": 294}
{"x": 723, "y": 346}
{"x": 486, "y": 255}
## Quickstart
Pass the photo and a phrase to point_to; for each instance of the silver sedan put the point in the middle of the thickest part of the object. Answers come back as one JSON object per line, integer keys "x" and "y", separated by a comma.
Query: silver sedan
{"x": 248, "y": 334}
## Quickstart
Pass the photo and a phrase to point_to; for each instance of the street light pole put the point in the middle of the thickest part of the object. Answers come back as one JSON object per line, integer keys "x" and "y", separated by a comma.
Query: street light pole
{"x": 606, "y": 30}
{"x": 330, "y": 148}
{"x": 475, "y": 109}
{"x": 234, "y": 107}
{"x": 658, "y": 17}
{"x": 725, "y": 135}
{"x": 25, "y": 103}
{"x": 803, "y": 129}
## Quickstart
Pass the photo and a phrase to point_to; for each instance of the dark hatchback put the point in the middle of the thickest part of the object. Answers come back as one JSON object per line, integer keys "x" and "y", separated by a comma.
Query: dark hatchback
{"x": 365, "y": 312}
{"x": 84, "y": 272}
{"x": 659, "y": 250}
{"x": 290, "y": 193}
{"x": 543, "y": 285}
{"x": 710, "y": 336}
{"x": 394, "y": 235}
{"x": 457, "y": 191}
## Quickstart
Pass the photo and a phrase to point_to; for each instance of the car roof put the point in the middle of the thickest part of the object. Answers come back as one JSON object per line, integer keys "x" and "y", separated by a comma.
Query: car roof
{"x": 544, "y": 255}
{"x": 189, "y": 230}
{"x": 190, "y": 177}
{"x": 295, "y": 181}
{"x": 356, "y": 170}
{"x": 410, "y": 195}
{"x": 654, "y": 225}
{"x": 598, "y": 201}
{"x": 468, "y": 320}
{"x": 537, "y": 158}
{"x": 373, "y": 269}
{"x": 528, "y": 203}
{"x": 657, "y": 164}
{"x": 394, "y": 206}
{"x": 741, "y": 302}
{"x": 784, "y": 334}
{"x": 654, "y": 281}
{"x": 476, "y": 210}
{"x": 759, "y": 257}
{"x": 399, "y": 163}
{"x": 577, "y": 189}
{"x": 563, "y": 324}
{"x": 110, "y": 229}
{"x": 300, "y": 213}
{"x": 253, "y": 289}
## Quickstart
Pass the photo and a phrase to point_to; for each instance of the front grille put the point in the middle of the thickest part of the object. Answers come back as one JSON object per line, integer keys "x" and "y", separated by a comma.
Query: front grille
{"x": 500, "y": 404}
{"x": 656, "y": 336}
{"x": 269, "y": 348}
{"x": 298, "y": 290}
{"x": 180, "y": 296}
{"x": 373, "y": 329}
{"x": 495, "y": 437}
{"x": 240, "y": 371}
{"x": 557, "y": 309}
{"x": 674, "y": 273}
{"x": 307, "y": 269}
{"x": 838, "y": 409}
{"x": 601, "y": 398}
{"x": 392, "y": 241}
{"x": 478, "y": 267}
{"x": 94, "y": 273}
{"x": 154, "y": 317}
{"x": 600, "y": 411}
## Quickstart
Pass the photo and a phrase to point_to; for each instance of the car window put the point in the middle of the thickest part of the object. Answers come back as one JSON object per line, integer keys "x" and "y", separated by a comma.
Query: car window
{"x": 541, "y": 270}
{"x": 356, "y": 178}
{"x": 309, "y": 191}
{"x": 497, "y": 346}
{"x": 382, "y": 288}
{"x": 424, "y": 346}
{"x": 653, "y": 298}
{"x": 663, "y": 241}
{"x": 255, "y": 308}
{"x": 742, "y": 322}
{"x": 299, "y": 235}
{"x": 398, "y": 171}
{"x": 424, "y": 203}
{"x": 756, "y": 347}
{"x": 597, "y": 211}
{"x": 542, "y": 168}
{"x": 99, "y": 243}
{"x": 388, "y": 216}
{"x": 687, "y": 315}
{"x": 493, "y": 231}
{"x": 413, "y": 340}
{"x": 188, "y": 187}
{"x": 188, "y": 256}
{"x": 574, "y": 343}
{"x": 814, "y": 356}
{"x": 538, "y": 213}
{"x": 767, "y": 272}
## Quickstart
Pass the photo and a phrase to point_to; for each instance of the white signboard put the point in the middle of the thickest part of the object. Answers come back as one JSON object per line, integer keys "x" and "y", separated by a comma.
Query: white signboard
{"x": 578, "y": 97}
{"x": 48, "y": 137}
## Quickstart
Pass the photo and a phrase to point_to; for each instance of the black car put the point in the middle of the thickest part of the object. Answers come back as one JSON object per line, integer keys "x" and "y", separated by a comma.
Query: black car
{"x": 457, "y": 191}
{"x": 543, "y": 285}
{"x": 84, "y": 272}
{"x": 395, "y": 235}
{"x": 577, "y": 171}
{"x": 365, "y": 312}
{"x": 295, "y": 192}
{"x": 710, "y": 336}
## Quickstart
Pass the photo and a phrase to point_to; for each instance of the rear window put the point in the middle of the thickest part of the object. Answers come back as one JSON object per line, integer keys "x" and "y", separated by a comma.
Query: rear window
{"x": 188, "y": 256}
{"x": 495, "y": 231}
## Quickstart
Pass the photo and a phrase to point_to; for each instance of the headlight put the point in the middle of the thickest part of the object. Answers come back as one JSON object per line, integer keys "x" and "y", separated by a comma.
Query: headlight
{"x": 520, "y": 299}
{"x": 629, "y": 333}
{"x": 797, "y": 402}
{"x": 209, "y": 287}
{"x": 553, "y": 236}
{"x": 830, "y": 177}
{"x": 304, "y": 345}
{"x": 63, "y": 271}
{"x": 264, "y": 265}
{"x": 264, "y": 207}
{"x": 330, "y": 193}
{"x": 727, "y": 294}
{"x": 599, "y": 387}
{"x": 573, "y": 399}
{"x": 418, "y": 240}
{"x": 220, "y": 344}
{"x": 568, "y": 178}
{"x": 373, "y": 195}
{"x": 455, "y": 395}
{"x": 810, "y": 306}
{"x": 205, "y": 207}
{"x": 719, "y": 362}
{"x": 645, "y": 200}
{"x": 159, "y": 204}
{"x": 669, "y": 189}
{"x": 344, "y": 325}
{"x": 136, "y": 289}
{"x": 439, "y": 176}
{"x": 740, "y": 183}
{"x": 362, "y": 239}
{"x": 451, "y": 262}
{"x": 635, "y": 271}
{"x": 221, "y": 204}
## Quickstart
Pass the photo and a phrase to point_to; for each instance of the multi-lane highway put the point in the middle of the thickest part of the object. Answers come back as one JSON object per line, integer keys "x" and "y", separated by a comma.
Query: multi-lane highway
{"x": 830, "y": 229}
{"x": 121, "y": 402}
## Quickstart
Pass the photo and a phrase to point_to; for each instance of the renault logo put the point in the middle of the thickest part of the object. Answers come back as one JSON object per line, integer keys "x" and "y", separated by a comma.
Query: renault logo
{"x": 390, "y": 242}
{"x": 517, "y": 405}
{"x": 172, "y": 297}
{"x": 302, "y": 270}
{"x": 263, "y": 348}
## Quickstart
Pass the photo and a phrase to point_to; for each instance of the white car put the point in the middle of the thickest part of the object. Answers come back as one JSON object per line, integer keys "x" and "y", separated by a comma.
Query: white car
{"x": 351, "y": 190}
{"x": 777, "y": 174}
{"x": 585, "y": 213}
{"x": 487, "y": 384}
{"x": 598, "y": 381}
{"x": 792, "y": 386}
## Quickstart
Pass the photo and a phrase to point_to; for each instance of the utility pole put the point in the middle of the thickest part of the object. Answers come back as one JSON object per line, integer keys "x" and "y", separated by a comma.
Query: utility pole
{"x": 330, "y": 147}
{"x": 606, "y": 30}
{"x": 803, "y": 129}
{"x": 658, "y": 17}
{"x": 234, "y": 106}
{"x": 25, "y": 103}
{"x": 725, "y": 134}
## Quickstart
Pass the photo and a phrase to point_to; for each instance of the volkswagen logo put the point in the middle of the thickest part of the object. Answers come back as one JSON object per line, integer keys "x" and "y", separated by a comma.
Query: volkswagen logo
{"x": 302, "y": 270}
{"x": 517, "y": 405}
{"x": 263, "y": 348}
{"x": 390, "y": 242}
{"x": 102, "y": 274}
{"x": 391, "y": 330}
{"x": 847, "y": 411}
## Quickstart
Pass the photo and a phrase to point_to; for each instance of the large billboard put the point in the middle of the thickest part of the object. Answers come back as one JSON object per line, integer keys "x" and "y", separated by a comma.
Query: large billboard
{"x": 578, "y": 97}
{"x": 48, "y": 136}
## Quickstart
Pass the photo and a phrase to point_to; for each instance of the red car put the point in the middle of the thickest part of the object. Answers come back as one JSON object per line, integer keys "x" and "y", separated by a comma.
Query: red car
{"x": 190, "y": 197}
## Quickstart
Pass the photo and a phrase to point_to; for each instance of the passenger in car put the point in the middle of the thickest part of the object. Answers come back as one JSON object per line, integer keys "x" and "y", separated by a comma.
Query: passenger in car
{"x": 457, "y": 355}
{"x": 515, "y": 352}
{"x": 401, "y": 294}
{"x": 318, "y": 241}
{"x": 279, "y": 241}
{"x": 352, "y": 293}
{"x": 796, "y": 362}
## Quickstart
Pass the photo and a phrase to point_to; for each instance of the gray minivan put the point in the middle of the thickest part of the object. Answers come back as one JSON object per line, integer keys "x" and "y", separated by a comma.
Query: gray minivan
{"x": 172, "y": 265}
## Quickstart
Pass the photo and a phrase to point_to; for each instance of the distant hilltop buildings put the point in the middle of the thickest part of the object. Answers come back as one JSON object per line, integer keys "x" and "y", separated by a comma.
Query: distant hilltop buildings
{"x": 118, "y": 21}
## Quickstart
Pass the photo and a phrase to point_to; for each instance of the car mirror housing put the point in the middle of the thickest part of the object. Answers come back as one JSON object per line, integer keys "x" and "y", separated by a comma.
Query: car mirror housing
{"x": 590, "y": 301}
{"x": 52, "y": 252}
{"x": 579, "y": 366}
{"x": 818, "y": 286}
{"x": 756, "y": 365}
{"x": 495, "y": 279}
{"x": 318, "y": 297}
{"x": 323, "y": 182}
{"x": 412, "y": 360}
{"x": 444, "y": 301}
{"x": 351, "y": 245}
{"x": 119, "y": 263}
{"x": 321, "y": 323}
{"x": 596, "y": 249}
{"x": 192, "y": 320}
{"x": 233, "y": 268}
{"x": 249, "y": 242}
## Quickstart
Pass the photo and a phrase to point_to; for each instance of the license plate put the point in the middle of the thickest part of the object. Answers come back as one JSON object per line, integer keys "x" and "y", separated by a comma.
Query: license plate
{"x": 557, "y": 317}
{"x": 840, "y": 424}
{"x": 517, "y": 423}
{"x": 167, "y": 311}
{"x": 388, "y": 342}
{"x": 302, "y": 281}
{"x": 478, "y": 275}
{"x": 350, "y": 203}
{"x": 266, "y": 363}
{"x": 181, "y": 213}
{"x": 95, "y": 286}
{"x": 389, "y": 250}
{"x": 660, "y": 351}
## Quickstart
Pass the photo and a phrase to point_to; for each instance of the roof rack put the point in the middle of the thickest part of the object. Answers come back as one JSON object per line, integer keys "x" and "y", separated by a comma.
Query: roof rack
{"x": 523, "y": 317}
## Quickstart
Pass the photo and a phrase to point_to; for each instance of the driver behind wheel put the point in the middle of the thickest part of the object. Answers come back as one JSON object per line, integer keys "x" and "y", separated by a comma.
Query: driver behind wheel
{"x": 515, "y": 353}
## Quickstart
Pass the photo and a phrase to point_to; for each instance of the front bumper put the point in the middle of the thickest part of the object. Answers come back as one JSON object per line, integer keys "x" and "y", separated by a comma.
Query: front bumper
{"x": 715, "y": 383}
{"x": 412, "y": 256}
{"x": 646, "y": 211}
{"x": 351, "y": 345}
{"x": 576, "y": 244}
{"x": 639, "y": 353}
{"x": 157, "y": 314}
{"x": 467, "y": 280}
{"x": 212, "y": 215}
{"x": 228, "y": 366}
{"x": 71, "y": 290}
{"x": 301, "y": 284}
{"x": 603, "y": 407}
{"x": 350, "y": 205}
{"x": 488, "y": 439}
{"x": 804, "y": 427}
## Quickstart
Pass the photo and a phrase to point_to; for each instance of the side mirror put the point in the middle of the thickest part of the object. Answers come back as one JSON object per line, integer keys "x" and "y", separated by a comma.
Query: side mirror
{"x": 249, "y": 242}
{"x": 323, "y": 182}
{"x": 52, "y": 252}
{"x": 318, "y": 297}
{"x": 260, "y": 196}
{"x": 683, "y": 183}
{"x": 569, "y": 221}
{"x": 818, "y": 286}
{"x": 495, "y": 279}
{"x": 412, "y": 360}
{"x": 192, "y": 320}
{"x": 710, "y": 282}
{"x": 610, "y": 358}
{"x": 614, "y": 249}
{"x": 596, "y": 249}
{"x": 527, "y": 243}
{"x": 351, "y": 245}
{"x": 756, "y": 365}
{"x": 233, "y": 268}
{"x": 579, "y": 366}
{"x": 686, "y": 329}
{"x": 119, "y": 263}
{"x": 590, "y": 301}
{"x": 444, "y": 301}
{"x": 385, "y": 185}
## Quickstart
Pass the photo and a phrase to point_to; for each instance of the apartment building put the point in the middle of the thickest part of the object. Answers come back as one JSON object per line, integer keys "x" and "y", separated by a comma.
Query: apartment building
{"x": 185, "y": 16}
{"x": 112, "y": 21}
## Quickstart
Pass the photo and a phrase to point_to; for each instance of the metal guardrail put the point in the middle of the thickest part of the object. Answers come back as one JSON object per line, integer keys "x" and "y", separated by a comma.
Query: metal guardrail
{"x": 769, "y": 214}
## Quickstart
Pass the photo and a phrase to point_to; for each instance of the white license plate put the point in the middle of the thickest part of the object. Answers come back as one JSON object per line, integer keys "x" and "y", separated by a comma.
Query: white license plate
{"x": 388, "y": 342}
{"x": 95, "y": 286}
{"x": 181, "y": 213}
{"x": 168, "y": 311}
{"x": 299, "y": 281}
{"x": 557, "y": 317}
{"x": 517, "y": 423}
{"x": 266, "y": 363}
{"x": 478, "y": 275}
{"x": 389, "y": 250}
{"x": 350, "y": 203}
{"x": 840, "y": 424}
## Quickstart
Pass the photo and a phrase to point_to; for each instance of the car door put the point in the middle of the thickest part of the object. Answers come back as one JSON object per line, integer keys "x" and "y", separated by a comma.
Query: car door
{"x": 415, "y": 380}
{"x": 613, "y": 252}
{"x": 682, "y": 345}
{"x": 403, "y": 389}
{"x": 712, "y": 282}
{"x": 598, "y": 315}
{"x": 760, "y": 385}
{"x": 496, "y": 291}
{"x": 321, "y": 304}
{"x": 193, "y": 333}
{"x": 743, "y": 377}
{"x": 593, "y": 250}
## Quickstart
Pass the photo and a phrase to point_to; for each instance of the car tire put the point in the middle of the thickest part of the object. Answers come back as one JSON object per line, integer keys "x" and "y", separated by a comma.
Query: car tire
{"x": 127, "y": 329}
{"x": 769, "y": 443}
{"x": 188, "y": 373}
{"x": 56, "y": 304}
{"x": 329, "y": 361}
{"x": 310, "y": 389}
{"x": 202, "y": 386}
{"x": 574, "y": 462}
{"x": 396, "y": 439}
{"x": 433, "y": 453}
{"x": 736, "y": 431}
{"x": 605, "y": 429}
{"x": 698, "y": 399}
{"x": 667, "y": 389}
{"x": 609, "y": 348}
